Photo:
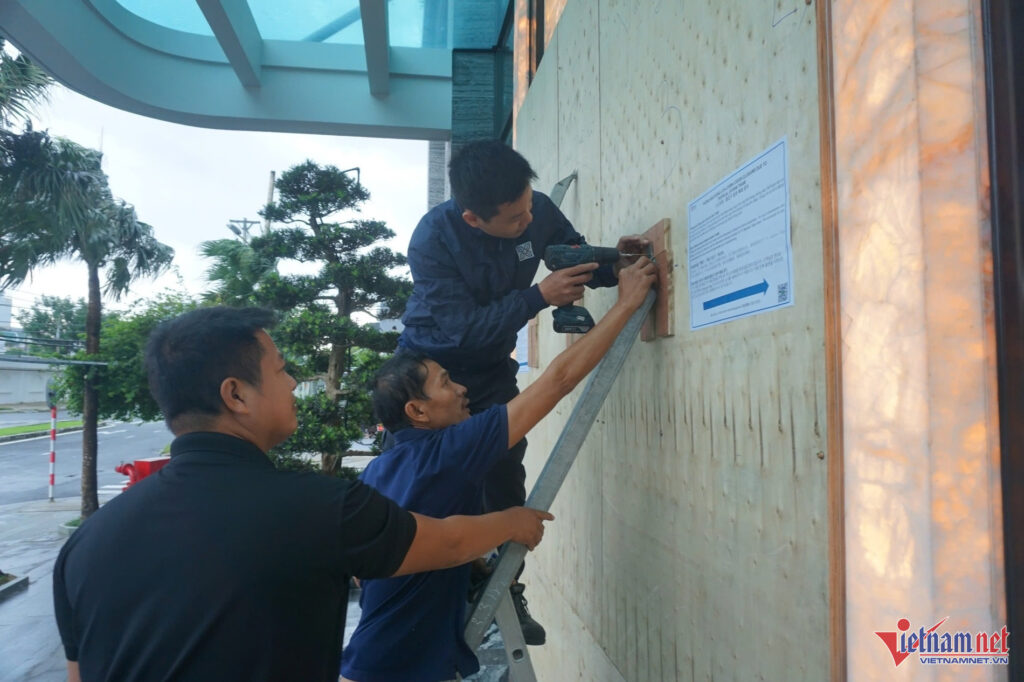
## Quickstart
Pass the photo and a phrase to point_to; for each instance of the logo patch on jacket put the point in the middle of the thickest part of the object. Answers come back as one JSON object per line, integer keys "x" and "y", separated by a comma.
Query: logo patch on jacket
{"x": 524, "y": 251}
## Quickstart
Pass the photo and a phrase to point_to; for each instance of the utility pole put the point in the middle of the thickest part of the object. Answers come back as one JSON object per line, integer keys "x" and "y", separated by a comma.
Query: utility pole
{"x": 243, "y": 232}
{"x": 270, "y": 200}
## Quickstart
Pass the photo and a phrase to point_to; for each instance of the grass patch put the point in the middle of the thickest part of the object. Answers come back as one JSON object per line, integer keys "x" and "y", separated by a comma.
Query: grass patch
{"x": 74, "y": 523}
{"x": 32, "y": 428}
{"x": 6, "y": 578}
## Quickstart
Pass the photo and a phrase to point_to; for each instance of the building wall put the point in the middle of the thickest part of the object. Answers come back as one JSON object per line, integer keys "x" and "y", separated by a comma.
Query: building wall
{"x": 692, "y": 536}
{"x": 22, "y": 383}
{"x": 757, "y": 499}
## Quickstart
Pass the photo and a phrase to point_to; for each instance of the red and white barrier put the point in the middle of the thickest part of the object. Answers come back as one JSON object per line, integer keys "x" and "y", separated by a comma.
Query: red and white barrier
{"x": 53, "y": 445}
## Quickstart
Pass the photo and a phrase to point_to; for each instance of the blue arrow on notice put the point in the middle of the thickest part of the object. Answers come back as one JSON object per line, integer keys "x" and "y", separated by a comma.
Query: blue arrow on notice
{"x": 737, "y": 295}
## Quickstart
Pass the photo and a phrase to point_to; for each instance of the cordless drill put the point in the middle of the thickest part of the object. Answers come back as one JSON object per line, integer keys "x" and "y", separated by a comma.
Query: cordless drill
{"x": 574, "y": 319}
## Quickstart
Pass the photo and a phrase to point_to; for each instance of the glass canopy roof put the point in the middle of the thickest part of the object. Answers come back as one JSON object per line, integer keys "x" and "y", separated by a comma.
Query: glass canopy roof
{"x": 331, "y": 21}
{"x": 351, "y": 67}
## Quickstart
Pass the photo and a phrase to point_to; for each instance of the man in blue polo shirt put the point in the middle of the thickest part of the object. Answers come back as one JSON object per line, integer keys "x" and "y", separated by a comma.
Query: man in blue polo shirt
{"x": 473, "y": 259}
{"x": 411, "y": 628}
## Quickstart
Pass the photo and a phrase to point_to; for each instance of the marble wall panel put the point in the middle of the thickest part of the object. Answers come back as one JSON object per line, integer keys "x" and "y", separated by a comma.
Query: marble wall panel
{"x": 922, "y": 495}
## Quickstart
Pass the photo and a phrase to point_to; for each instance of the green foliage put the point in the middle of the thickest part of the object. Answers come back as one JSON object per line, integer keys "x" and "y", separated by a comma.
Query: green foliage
{"x": 33, "y": 428}
{"x": 122, "y": 386}
{"x": 310, "y": 193}
{"x": 22, "y": 86}
{"x": 318, "y": 333}
{"x": 46, "y": 186}
{"x": 288, "y": 461}
{"x": 332, "y": 427}
{"x": 55, "y": 203}
{"x": 55, "y": 317}
{"x": 237, "y": 269}
{"x": 310, "y": 334}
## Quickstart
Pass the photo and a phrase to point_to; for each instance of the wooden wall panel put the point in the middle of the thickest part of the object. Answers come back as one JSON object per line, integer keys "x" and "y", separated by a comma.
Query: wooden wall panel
{"x": 692, "y": 537}
{"x": 579, "y": 126}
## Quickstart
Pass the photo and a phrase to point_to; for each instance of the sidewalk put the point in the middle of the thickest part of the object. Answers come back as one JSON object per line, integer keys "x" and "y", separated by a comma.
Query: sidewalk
{"x": 30, "y": 648}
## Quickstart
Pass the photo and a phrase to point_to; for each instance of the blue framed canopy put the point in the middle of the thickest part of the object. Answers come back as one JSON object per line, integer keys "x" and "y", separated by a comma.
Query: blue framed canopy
{"x": 374, "y": 68}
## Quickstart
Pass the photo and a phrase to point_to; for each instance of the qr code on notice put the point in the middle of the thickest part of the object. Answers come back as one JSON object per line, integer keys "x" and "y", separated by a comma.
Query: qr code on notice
{"x": 783, "y": 290}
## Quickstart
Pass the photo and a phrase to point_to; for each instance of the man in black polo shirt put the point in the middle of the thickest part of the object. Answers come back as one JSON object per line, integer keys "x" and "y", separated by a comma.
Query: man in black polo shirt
{"x": 220, "y": 567}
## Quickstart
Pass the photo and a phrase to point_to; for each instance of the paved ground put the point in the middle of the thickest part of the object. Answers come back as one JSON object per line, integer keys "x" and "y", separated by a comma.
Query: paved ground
{"x": 30, "y": 649}
{"x": 25, "y": 464}
{"x": 30, "y": 414}
{"x": 29, "y": 542}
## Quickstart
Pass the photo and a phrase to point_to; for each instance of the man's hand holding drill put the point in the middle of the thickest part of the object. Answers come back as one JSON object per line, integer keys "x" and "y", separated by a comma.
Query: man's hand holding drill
{"x": 564, "y": 286}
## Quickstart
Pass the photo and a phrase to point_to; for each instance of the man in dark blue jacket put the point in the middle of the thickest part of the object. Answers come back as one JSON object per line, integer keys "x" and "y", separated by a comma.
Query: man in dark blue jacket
{"x": 473, "y": 260}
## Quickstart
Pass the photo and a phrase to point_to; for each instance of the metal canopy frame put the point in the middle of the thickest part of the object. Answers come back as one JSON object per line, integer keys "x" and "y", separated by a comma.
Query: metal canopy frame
{"x": 236, "y": 79}
{"x": 236, "y": 31}
{"x": 374, "y": 14}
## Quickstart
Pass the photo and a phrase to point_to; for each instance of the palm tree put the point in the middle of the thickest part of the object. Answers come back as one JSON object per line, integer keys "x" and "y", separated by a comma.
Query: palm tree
{"x": 40, "y": 176}
{"x": 55, "y": 204}
{"x": 22, "y": 86}
{"x": 115, "y": 240}
{"x": 75, "y": 216}
{"x": 44, "y": 182}
{"x": 237, "y": 270}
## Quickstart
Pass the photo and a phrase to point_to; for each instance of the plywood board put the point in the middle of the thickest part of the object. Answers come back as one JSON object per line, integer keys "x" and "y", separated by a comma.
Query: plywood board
{"x": 700, "y": 491}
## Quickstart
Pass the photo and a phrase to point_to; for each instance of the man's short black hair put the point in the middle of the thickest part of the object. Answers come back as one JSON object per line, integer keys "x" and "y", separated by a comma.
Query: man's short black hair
{"x": 398, "y": 381}
{"x": 487, "y": 174}
{"x": 189, "y": 356}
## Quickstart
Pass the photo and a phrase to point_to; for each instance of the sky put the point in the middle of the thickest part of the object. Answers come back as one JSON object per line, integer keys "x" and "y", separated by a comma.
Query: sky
{"x": 189, "y": 182}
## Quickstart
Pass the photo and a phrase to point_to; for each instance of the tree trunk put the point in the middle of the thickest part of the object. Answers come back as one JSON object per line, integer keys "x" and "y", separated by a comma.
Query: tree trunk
{"x": 90, "y": 497}
{"x": 335, "y": 367}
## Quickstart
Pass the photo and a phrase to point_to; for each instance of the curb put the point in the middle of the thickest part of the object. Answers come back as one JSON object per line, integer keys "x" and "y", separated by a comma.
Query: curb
{"x": 10, "y": 589}
{"x": 37, "y": 434}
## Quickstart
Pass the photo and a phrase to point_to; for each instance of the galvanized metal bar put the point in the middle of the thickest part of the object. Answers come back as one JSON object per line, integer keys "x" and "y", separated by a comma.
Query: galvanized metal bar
{"x": 561, "y": 187}
{"x": 555, "y": 470}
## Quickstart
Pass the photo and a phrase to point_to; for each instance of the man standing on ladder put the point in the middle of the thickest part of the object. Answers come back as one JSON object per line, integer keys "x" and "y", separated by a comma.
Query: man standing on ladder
{"x": 473, "y": 259}
{"x": 412, "y": 628}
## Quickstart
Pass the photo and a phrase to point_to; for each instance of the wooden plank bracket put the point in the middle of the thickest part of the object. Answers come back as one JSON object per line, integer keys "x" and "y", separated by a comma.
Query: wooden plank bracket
{"x": 661, "y": 321}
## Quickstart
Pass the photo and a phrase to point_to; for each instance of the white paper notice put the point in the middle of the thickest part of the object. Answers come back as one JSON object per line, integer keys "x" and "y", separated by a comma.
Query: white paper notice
{"x": 739, "y": 248}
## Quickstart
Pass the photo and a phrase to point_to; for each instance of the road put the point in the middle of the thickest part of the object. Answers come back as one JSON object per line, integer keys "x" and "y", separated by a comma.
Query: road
{"x": 30, "y": 415}
{"x": 25, "y": 464}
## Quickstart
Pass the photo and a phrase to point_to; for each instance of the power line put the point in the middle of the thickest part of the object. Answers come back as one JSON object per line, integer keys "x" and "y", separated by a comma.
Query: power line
{"x": 48, "y": 361}
{"x": 21, "y": 295}
{"x": 39, "y": 341}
